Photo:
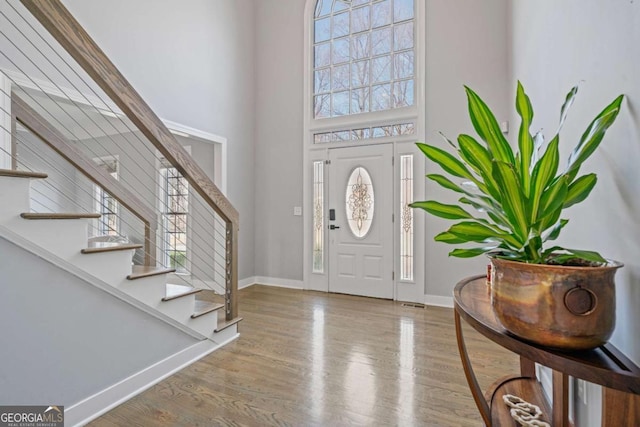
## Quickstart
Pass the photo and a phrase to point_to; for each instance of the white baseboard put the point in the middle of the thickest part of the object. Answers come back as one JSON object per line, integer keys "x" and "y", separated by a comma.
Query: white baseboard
{"x": 438, "y": 301}
{"x": 245, "y": 283}
{"x": 92, "y": 407}
{"x": 270, "y": 281}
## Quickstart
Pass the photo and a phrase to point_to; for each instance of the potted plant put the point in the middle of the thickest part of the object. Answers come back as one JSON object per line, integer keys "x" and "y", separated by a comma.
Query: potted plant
{"x": 546, "y": 294}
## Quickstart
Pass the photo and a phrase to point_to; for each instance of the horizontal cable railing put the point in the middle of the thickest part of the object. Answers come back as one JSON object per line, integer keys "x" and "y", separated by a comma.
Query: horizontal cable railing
{"x": 86, "y": 121}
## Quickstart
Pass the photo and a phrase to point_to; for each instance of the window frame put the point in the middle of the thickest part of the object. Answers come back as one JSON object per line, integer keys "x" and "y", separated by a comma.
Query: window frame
{"x": 403, "y": 144}
{"x": 162, "y": 202}
{"x": 100, "y": 195}
{"x": 382, "y": 117}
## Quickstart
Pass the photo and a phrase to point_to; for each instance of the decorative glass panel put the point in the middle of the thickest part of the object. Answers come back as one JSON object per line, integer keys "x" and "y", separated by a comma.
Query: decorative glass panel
{"x": 106, "y": 205}
{"x": 360, "y": 19}
{"x": 318, "y": 217}
{"x": 359, "y": 202}
{"x": 175, "y": 210}
{"x": 402, "y": 10}
{"x": 368, "y": 44}
{"x": 360, "y": 100}
{"x": 406, "y": 215}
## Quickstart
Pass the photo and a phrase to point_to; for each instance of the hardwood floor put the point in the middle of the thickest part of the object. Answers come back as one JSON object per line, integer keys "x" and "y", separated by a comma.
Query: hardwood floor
{"x": 314, "y": 359}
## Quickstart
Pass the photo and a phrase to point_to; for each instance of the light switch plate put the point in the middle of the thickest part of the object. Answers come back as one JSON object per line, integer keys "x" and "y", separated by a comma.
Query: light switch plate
{"x": 297, "y": 210}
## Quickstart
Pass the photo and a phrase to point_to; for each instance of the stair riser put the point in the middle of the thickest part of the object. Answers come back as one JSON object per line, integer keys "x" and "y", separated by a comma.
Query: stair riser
{"x": 65, "y": 238}
{"x": 14, "y": 193}
{"x": 110, "y": 267}
{"x": 179, "y": 309}
{"x": 205, "y": 324}
{"x": 149, "y": 290}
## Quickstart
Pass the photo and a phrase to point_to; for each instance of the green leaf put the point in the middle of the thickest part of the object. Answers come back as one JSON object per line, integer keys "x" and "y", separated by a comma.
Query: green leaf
{"x": 538, "y": 142}
{"x": 549, "y": 221}
{"x": 533, "y": 249}
{"x": 513, "y": 201}
{"x": 446, "y": 161}
{"x": 568, "y": 102}
{"x": 445, "y": 182}
{"x": 543, "y": 173}
{"x": 446, "y": 237}
{"x": 480, "y": 159}
{"x": 580, "y": 189}
{"x": 472, "y": 231}
{"x": 555, "y": 231}
{"x": 548, "y": 252}
{"x": 447, "y": 140}
{"x": 441, "y": 210}
{"x": 470, "y": 253}
{"x": 496, "y": 215}
{"x": 476, "y": 232}
{"x": 553, "y": 198}
{"x": 525, "y": 140}
{"x": 486, "y": 125}
{"x": 587, "y": 255}
{"x": 592, "y": 137}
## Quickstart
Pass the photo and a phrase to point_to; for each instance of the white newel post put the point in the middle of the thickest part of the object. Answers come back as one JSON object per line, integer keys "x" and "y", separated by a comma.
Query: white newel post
{"x": 5, "y": 122}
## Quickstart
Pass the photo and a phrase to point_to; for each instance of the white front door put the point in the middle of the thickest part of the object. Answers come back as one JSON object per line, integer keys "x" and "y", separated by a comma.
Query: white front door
{"x": 361, "y": 221}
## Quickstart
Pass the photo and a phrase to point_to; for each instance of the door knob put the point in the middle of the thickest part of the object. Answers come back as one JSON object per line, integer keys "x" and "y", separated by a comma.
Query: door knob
{"x": 333, "y": 227}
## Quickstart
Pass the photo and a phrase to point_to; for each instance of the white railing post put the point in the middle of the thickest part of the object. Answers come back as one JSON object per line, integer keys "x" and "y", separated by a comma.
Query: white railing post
{"x": 5, "y": 122}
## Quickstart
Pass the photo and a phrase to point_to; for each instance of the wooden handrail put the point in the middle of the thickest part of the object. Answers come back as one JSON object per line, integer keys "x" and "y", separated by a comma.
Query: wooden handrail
{"x": 59, "y": 22}
{"x": 39, "y": 126}
{"x": 53, "y": 15}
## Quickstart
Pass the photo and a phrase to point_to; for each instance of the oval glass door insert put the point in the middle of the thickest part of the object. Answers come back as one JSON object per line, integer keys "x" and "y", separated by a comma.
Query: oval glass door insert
{"x": 359, "y": 202}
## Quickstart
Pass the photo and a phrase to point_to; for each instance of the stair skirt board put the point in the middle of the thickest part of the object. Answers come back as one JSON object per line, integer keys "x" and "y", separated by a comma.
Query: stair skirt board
{"x": 153, "y": 285}
{"x": 91, "y": 408}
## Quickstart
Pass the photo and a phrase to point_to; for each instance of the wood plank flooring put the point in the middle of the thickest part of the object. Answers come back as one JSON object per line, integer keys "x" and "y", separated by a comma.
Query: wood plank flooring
{"x": 314, "y": 359}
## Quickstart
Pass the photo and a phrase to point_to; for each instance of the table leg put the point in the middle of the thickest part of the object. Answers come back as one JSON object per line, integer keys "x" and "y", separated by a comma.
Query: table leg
{"x": 560, "y": 400}
{"x": 527, "y": 368}
{"x": 481, "y": 403}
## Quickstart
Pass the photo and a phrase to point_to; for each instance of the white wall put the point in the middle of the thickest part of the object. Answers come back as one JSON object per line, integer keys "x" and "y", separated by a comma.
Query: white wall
{"x": 51, "y": 312}
{"x": 193, "y": 62}
{"x": 555, "y": 45}
{"x": 467, "y": 44}
{"x": 278, "y": 139}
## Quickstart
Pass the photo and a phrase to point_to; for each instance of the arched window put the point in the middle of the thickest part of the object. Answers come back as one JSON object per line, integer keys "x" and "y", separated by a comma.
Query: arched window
{"x": 363, "y": 56}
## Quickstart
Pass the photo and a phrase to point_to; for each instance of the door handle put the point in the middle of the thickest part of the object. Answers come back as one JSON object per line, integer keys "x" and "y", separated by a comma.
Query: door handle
{"x": 333, "y": 227}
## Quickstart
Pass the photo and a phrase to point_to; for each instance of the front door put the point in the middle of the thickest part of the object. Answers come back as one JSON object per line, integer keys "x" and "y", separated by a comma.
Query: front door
{"x": 360, "y": 220}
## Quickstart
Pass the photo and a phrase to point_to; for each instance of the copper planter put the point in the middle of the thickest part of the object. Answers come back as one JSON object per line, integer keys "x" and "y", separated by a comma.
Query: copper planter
{"x": 571, "y": 308}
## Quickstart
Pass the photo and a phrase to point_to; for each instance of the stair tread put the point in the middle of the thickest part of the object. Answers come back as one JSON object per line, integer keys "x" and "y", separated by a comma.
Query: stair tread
{"x": 204, "y": 307}
{"x": 210, "y": 295}
{"x": 140, "y": 271}
{"x": 174, "y": 291}
{"x": 46, "y": 215}
{"x": 227, "y": 323}
{"x": 98, "y": 247}
{"x": 22, "y": 174}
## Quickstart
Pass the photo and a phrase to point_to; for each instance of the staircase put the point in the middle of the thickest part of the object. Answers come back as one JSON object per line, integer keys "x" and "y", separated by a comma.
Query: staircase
{"x": 65, "y": 235}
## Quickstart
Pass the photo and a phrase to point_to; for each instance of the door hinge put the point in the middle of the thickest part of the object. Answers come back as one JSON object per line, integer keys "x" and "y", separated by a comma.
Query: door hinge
{"x": 393, "y": 160}
{"x": 393, "y": 275}
{"x": 393, "y": 217}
